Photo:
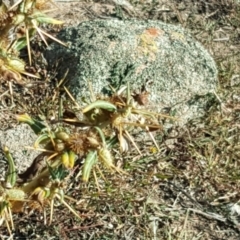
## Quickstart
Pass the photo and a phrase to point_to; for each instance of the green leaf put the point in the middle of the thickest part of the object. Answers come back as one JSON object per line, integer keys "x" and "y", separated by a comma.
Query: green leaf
{"x": 36, "y": 126}
{"x": 90, "y": 160}
{"x": 100, "y": 132}
{"x": 16, "y": 64}
{"x": 43, "y": 137}
{"x": 22, "y": 42}
{"x": 100, "y": 104}
{"x": 18, "y": 19}
{"x": 11, "y": 174}
{"x": 42, "y": 18}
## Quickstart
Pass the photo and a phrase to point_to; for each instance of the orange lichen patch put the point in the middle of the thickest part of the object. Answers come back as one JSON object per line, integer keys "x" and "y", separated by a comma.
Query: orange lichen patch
{"x": 154, "y": 32}
{"x": 147, "y": 44}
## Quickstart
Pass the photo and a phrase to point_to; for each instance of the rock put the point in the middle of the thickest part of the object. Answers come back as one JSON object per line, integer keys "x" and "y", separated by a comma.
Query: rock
{"x": 16, "y": 140}
{"x": 171, "y": 65}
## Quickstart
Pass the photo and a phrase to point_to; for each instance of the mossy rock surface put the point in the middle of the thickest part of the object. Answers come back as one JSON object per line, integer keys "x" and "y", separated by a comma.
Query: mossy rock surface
{"x": 171, "y": 65}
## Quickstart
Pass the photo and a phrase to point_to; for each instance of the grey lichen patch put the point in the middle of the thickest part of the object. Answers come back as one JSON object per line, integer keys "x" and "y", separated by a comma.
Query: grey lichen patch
{"x": 163, "y": 58}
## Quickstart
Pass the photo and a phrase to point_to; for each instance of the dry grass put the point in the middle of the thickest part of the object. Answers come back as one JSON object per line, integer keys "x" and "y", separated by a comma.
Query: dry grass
{"x": 190, "y": 189}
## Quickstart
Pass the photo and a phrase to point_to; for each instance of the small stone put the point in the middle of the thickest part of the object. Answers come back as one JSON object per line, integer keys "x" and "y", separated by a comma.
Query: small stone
{"x": 17, "y": 139}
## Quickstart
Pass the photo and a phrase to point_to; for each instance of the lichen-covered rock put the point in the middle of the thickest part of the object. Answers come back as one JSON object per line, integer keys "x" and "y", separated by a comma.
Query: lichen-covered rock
{"x": 171, "y": 65}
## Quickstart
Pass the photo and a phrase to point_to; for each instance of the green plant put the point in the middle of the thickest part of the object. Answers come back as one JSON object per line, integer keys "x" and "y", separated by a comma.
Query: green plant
{"x": 102, "y": 125}
{"x": 19, "y": 24}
